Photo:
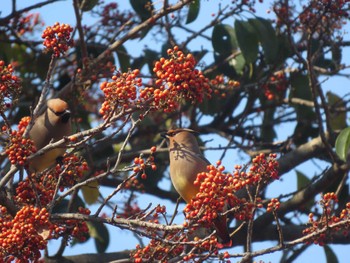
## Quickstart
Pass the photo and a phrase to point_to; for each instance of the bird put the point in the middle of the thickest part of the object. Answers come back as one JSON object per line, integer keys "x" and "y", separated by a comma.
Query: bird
{"x": 186, "y": 161}
{"x": 51, "y": 126}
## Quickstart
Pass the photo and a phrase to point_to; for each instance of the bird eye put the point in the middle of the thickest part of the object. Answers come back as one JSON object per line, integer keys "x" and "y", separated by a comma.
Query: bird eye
{"x": 59, "y": 113}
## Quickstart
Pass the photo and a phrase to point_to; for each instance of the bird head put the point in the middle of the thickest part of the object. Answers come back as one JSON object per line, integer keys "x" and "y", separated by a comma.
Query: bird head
{"x": 59, "y": 109}
{"x": 174, "y": 132}
{"x": 181, "y": 137}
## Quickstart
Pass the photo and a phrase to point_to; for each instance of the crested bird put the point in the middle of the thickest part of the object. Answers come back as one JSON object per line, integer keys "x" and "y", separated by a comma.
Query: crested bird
{"x": 51, "y": 126}
{"x": 186, "y": 161}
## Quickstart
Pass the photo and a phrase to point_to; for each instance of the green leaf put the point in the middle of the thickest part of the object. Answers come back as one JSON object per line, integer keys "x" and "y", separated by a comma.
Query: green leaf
{"x": 193, "y": 11}
{"x": 165, "y": 47}
{"x": 94, "y": 49}
{"x": 238, "y": 63}
{"x": 302, "y": 180}
{"x": 144, "y": 8}
{"x": 138, "y": 62}
{"x": 284, "y": 49}
{"x": 6, "y": 51}
{"x": 325, "y": 63}
{"x": 91, "y": 192}
{"x": 306, "y": 118}
{"x": 330, "y": 255}
{"x": 151, "y": 56}
{"x": 336, "y": 54}
{"x": 267, "y": 38}
{"x": 87, "y": 5}
{"x": 337, "y": 120}
{"x": 268, "y": 132}
{"x": 232, "y": 67}
{"x": 41, "y": 64}
{"x": 303, "y": 131}
{"x": 301, "y": 89}
{"x": 225, "y": 44}
{"x": 99, "y": 232}
{"x": 61, "y": 207}
{"x": 224, "y": 39}
{"x": 342, "y": 143}
{"x": 148, "y": 58}
{"x": 123, "y": 58}
{"x": 212, "y": 106}
{"x": 22, "y": 57}
{"x": 198, "y": 55}
{"x": 318, "y": 53}
{"x": 247, "y": 40}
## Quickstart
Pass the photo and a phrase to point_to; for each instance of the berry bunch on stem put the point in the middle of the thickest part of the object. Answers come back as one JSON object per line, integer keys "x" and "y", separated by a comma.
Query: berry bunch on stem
{"x": 177, "y": 78}
{"x": 19, "y": 148}
{"x": 24, "y": 235}
{"x": 57, "y": 38}
{"x": 327, "y": 220}
{"x": 120, "y": 92}
{"x": 10, "y": 86}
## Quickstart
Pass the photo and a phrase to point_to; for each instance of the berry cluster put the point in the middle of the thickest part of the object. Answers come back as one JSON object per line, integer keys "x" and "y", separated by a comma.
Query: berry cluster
{"x": 316, "y": 17}
{"x": 26, "y": 24}
{"x": 264, "y": 168}
{"x": 141, "y": 164}
{"x": 58, "y": 38}
{"x": 324, "y": 15}
{"x": 40, "y": 188}
{"x": 33, "y": 190}
{"x": 22, "y": 237}
{"x": 283, "y": 13}
{"x": 133, "y": 183}
{"x": 217, "y": 189}
{"x": 220, "y": 84}
{"x": 10, "y": 86}
{"x": 158, "y": 250}
{"x": 273, "y": 205}
{"x": 162, "y": 251}
{"x": 159, "y": 210}
{"x": 112, "y": 17}
{"x": 120, "y": 92}
{"x": 275, "y": 88}
{"x": 327, "y": 220}
{"x": 177, "y": 78}
{"x": 131, "y": 210}
{"x": 72, "y": 170}
{"x": 19, "y": 148}
{"x": 72, "y": 228}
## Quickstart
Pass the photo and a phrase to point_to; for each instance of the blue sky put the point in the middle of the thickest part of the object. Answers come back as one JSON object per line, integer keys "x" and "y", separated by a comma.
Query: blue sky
{"x": 63, "y": 12}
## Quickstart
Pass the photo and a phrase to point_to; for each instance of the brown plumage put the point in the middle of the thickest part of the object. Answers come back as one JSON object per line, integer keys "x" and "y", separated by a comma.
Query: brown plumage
{"x": 52, "y": 125}
{"x": 186, "y": 161}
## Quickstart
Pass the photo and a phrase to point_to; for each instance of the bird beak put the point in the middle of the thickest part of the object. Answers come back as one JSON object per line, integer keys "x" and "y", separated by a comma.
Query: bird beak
{"x": 66, "y": 116}
{"x": 164, "y": 135}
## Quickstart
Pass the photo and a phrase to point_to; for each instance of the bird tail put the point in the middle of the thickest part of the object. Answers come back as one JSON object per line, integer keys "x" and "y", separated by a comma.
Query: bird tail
{"x": 222, "y": 232}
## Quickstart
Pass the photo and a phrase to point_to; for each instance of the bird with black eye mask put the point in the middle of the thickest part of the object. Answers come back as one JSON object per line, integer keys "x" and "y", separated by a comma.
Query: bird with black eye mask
{"x": 186, "y": 161}
{"x": 51, "y": 126}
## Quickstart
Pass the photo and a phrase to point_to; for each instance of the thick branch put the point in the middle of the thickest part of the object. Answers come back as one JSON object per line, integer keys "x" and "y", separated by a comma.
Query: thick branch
{"x": 119, "y": 222}
{"x": 91, "y": 258}
{"x": 303, "y": 153}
